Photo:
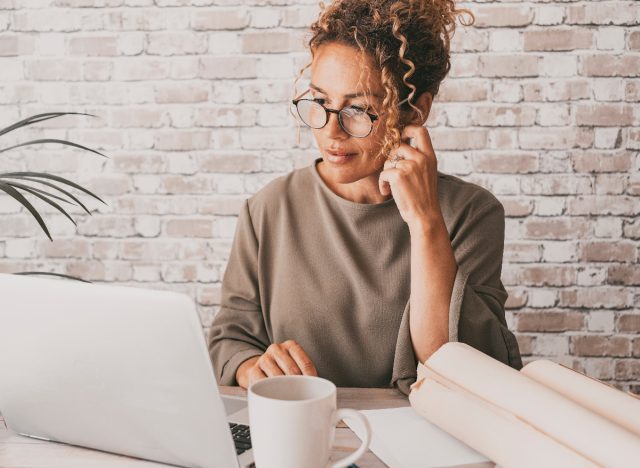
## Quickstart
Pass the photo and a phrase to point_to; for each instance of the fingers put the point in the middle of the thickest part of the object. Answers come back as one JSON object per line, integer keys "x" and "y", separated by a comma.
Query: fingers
{"x": 421, "y": 138}
{"x": 284, "y": 360}
{"x": 268, "y": 365}
{"x": 300, "y": 357}
{"x": 255, "y": 374}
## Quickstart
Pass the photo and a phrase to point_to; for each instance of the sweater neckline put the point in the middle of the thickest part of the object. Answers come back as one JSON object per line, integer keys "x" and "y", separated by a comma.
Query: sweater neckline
{"x": 343, "y": 201}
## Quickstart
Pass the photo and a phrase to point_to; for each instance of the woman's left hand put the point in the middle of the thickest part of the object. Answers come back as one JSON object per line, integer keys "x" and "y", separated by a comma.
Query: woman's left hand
{"x": 413, "y": 179}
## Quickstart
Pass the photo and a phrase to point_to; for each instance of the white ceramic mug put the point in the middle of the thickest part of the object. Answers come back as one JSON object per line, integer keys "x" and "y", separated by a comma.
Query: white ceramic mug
{"x": 293, "y": 420}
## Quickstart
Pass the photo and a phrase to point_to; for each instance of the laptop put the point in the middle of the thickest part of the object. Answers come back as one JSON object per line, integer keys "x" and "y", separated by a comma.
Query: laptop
{"x": 118, "y": 369}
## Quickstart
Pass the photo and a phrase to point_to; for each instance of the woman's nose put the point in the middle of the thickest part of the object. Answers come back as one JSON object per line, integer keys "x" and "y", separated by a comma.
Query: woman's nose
{"x": 333, "y": 128}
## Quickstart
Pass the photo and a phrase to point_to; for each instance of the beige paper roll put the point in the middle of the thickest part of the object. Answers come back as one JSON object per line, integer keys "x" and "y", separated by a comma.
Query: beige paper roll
{"x": 596, "y": 438}
{"x": 609, "y": 402}
{"x": 491, "y": 431}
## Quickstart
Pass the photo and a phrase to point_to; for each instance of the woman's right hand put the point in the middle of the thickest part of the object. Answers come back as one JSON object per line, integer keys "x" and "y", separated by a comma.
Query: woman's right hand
{"x": 286, "y": 358}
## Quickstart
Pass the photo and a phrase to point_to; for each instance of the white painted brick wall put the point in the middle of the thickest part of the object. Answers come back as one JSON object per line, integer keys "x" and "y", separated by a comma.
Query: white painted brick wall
{"x": 541, "y": 107}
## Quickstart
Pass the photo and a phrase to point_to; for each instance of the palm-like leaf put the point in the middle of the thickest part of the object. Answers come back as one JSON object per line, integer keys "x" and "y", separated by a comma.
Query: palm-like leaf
{"x": 59, "y": 275}
{"x": 13, "y": 182}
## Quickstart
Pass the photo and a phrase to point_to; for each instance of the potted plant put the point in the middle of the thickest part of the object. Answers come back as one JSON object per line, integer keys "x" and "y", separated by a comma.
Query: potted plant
{"x": 19, "y": 184}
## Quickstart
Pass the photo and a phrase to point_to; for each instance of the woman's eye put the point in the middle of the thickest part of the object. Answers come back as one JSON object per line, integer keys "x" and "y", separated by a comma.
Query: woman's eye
{"x": 358, "y": 109}
{"x": 319, "y": 100}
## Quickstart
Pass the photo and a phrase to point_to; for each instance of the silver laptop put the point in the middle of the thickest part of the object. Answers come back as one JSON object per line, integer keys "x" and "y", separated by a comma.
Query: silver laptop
{"x": 118, "y": 369}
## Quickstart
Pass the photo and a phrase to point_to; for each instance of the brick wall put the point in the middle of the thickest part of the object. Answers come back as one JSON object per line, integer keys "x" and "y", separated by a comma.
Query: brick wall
{"x": 540, "y": 107}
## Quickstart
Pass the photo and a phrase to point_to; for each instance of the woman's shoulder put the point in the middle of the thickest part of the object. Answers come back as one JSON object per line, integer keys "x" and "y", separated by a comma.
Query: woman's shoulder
{"x": 281, "y": 192}
{"x": 460, "y": 197}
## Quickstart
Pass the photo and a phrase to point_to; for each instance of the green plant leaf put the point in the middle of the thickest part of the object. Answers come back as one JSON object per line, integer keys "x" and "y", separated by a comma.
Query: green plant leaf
{"x": 39, "y": 118}
{"x": 51, "y": 177}
{"x": 28, "y": 273}
{"x": 47, "y": 200}
{"x": 22, "y": 186}
{"x": 53, "y": 140}
{"x": 5, "y": 187}
{"x": 49, "y": 184}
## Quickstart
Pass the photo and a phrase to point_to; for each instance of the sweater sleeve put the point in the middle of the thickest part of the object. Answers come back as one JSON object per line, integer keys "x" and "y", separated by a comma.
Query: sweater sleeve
{"x": 476, "y": 311}
{"x": 238, "y": 329}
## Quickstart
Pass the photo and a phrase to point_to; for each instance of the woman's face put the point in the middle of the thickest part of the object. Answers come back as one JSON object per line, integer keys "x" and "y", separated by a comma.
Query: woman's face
{"x": 338, "y": 80}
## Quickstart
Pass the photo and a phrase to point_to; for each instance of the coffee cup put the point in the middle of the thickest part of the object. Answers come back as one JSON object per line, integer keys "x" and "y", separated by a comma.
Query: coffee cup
{"x": 293, "y": 420}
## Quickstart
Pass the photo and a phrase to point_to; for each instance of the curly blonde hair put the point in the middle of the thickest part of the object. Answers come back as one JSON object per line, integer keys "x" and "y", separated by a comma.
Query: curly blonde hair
{"x": 409, "y": 40}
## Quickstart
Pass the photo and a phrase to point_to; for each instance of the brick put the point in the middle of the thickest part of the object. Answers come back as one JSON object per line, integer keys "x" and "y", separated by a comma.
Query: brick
{"x": 516, "y": 252}
{"x": 551, "y": 345}
{"x": 53, "y": 70}
{"x": 609, "y": 297}
{"x": 470, "y": 40}
{"x": 623, "y": 275}
{"x": 627, "y": 369}
{"x": 517, "y": 208}
{"x": 225, "y": 116}
{"x": 557, "y": 39}
{"x": 633, "y": 40}
{"x": 549, "y": 206}
{"x": 601, "y": 321}
{"x": 548, "y": 14}
{"x": 604, "y": 205}
{"x": 189, "y": 227}
{"x": 631, "y": 229}
{"x": 452, "y": 139}
{"x": 613, "y": 115}
{"x": 611, "y": 38}
{"x": 602, "y": 161}
{"x": 265, "y": 18}
{"x": 550, "y": 321}
{"x": 508, "y": 163}
{"x": 508, "y": 66}
{"x": 607, "y": 138}
{"x": 176, "y": 43}
{"x": 95, "y": 70}
{"x": 547, "y": 275}
{"x": 553, "y": 116}
{"x": 462, "y": 90}
{"x": 141, "y": 117}
{"x": 610, "y": 65}
{"x": 608, "y": 227}
{"x": 559, "y": 65}
{"x": 464, "y": 65}
{"x": 230, "y": 162}
{"x": 267, "y": 42}
{"x": 182, "y": 140}
{"x": 182, "y": 93}
{"x": 556, "y": 184}
{"x": 137, "y": 69}
{"x": 228, "y": 67}
{"x": 232, "y": 19}
{"x": 606, "y": 12}
{"x": 635, "y": 352}
{"x": 93, "y": 46}
{"x": 549, "y": 138}
{"x": 599, "y": 345}
{"x": 628, "y": 323}
{"x": 506, "y": 91}
{"x": 556, "y": 228}
{"x": 609, "y": 252}
{"x": 501, "y": 16}
{"x": 632, "y": 91}
{"x": 491, "y": 115}
{"x": 556, "y": 90}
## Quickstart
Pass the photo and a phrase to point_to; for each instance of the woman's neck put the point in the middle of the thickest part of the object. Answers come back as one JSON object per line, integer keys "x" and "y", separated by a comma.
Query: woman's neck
{"x": 364, "y": 191}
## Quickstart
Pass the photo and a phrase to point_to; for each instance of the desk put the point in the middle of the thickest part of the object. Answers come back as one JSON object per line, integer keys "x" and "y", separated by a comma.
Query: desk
{"x": 17, "y": 451}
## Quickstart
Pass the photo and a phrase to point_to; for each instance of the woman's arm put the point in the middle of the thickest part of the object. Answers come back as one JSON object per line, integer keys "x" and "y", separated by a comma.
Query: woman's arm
{"x": 433, "y": 270}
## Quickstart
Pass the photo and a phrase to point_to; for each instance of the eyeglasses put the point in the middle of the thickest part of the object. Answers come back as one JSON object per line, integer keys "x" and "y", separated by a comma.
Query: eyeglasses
{"x": 354, "y": 120}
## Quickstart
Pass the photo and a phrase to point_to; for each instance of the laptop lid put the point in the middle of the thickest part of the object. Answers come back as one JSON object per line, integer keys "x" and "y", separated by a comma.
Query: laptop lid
{"x": 118, "y": 369}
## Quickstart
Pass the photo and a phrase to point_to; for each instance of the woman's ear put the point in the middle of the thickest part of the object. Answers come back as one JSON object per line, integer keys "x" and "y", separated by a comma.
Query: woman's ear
{"x": 423, "y": 103}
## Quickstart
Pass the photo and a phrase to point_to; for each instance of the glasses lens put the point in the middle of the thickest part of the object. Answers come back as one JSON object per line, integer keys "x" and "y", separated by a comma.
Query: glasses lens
{"x": 356, "y": 122}
{"x": 312, "y": 113}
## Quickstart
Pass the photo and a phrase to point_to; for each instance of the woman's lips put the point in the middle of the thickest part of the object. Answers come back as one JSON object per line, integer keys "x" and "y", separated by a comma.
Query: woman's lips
{"x": 339, "y": 156}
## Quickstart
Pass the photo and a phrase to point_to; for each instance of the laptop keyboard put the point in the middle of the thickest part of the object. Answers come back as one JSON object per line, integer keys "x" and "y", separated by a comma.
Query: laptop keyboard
{"x": 241, "y": 437}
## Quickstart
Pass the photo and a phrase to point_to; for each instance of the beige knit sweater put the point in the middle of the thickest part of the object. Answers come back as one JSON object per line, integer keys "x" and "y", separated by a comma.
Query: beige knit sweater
{"x": 334, "y": 276}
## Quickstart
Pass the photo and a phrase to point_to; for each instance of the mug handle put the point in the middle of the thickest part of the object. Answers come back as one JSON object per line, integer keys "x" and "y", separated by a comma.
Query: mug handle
{"x": 343, "y": 413}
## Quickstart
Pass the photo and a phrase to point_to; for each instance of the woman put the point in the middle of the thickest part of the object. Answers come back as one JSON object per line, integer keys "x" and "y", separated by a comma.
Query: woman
{"x": 364, "y": 263}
